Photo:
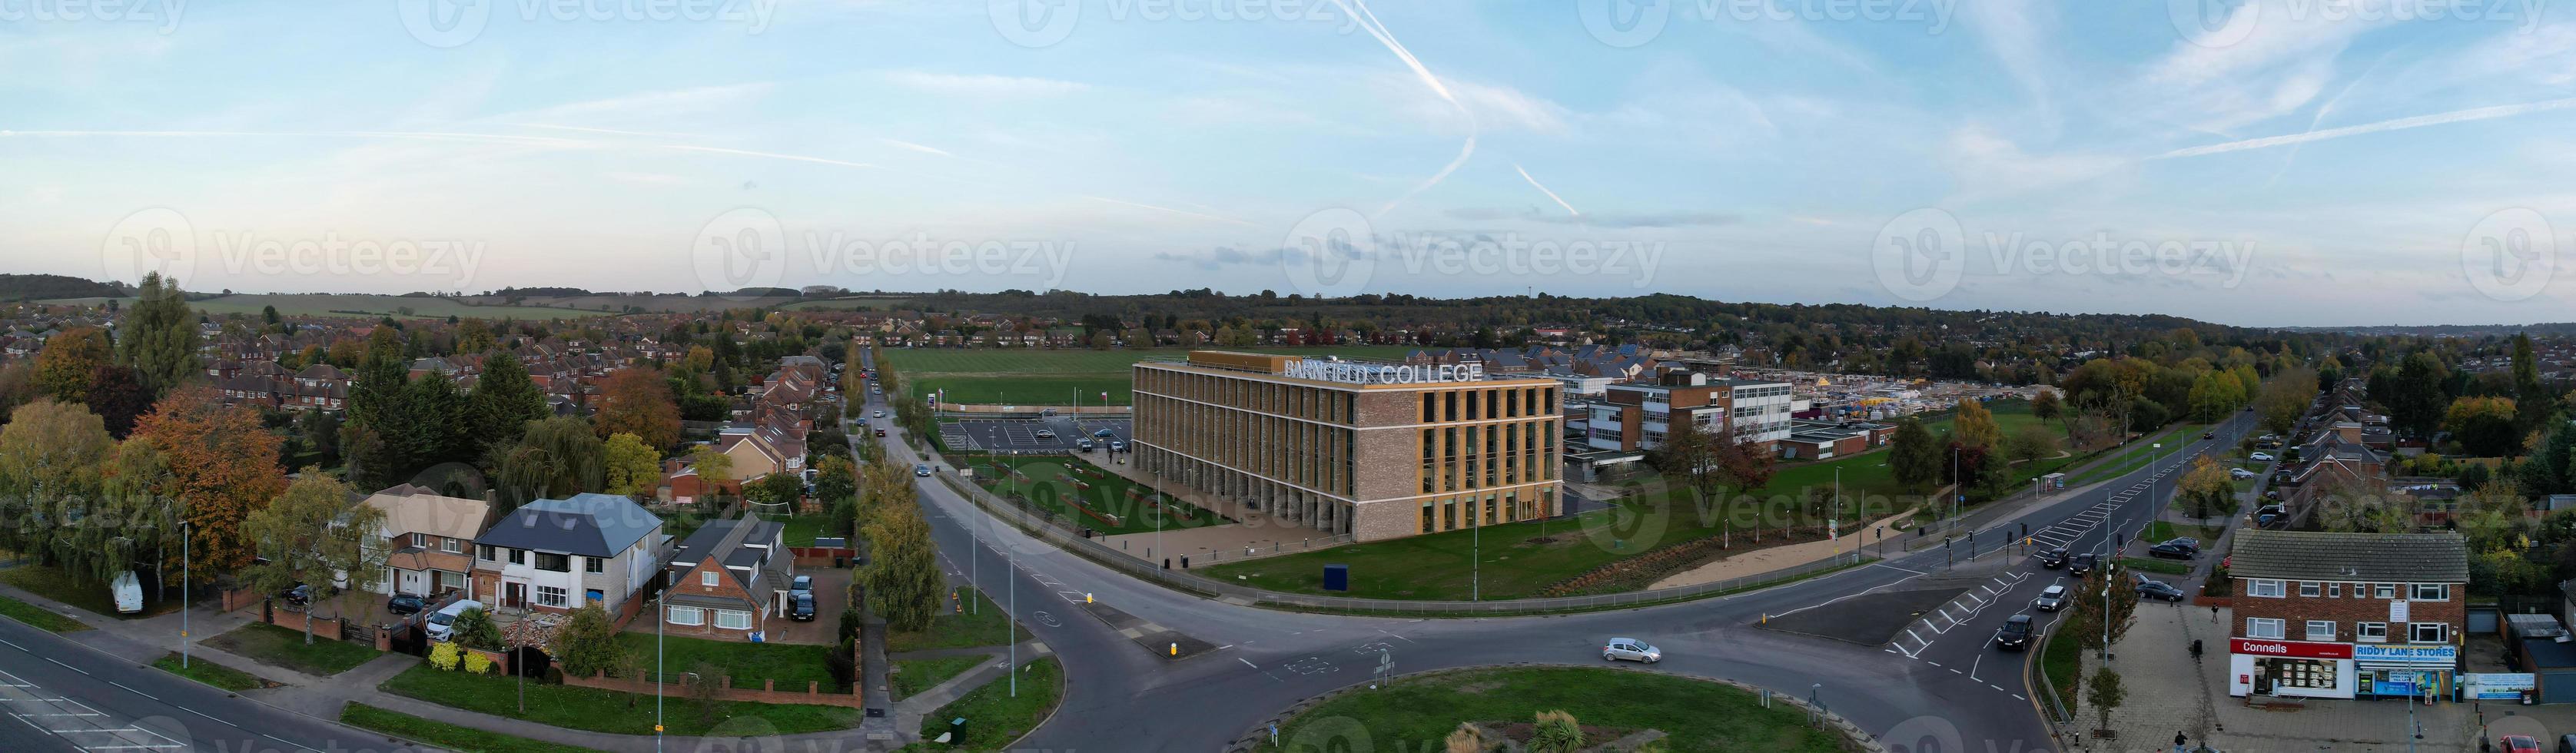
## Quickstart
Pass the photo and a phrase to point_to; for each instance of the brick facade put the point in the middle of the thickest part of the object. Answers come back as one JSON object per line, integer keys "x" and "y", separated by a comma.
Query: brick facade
{"x": 694, "y": 583}
{"x": 2346, "y": 611}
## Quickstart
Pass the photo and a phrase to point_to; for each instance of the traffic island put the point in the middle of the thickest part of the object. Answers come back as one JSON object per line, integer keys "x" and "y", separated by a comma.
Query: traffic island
{"x": 1503, "y": 706}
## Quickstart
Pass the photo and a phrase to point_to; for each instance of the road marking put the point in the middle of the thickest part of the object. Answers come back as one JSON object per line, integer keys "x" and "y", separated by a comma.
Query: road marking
{"x": 131, "y": 690}
{"x": 15, "y": 646}
{"x": 227, "y": 723}
{"x": 59, "y": 663}
{"x": 1931, "y": 662}
{"x": 1248, "y": 663}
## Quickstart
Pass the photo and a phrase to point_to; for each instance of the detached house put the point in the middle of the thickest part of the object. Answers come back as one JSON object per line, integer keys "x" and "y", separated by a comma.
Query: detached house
{"x": 728, "y": 579}
{"x": 431, "y": 538}
{"x": 557, "y": 554}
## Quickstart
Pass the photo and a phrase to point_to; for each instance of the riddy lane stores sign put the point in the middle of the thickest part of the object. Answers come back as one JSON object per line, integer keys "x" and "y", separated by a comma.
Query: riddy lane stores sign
{"x": 2296, "y": 649}
{"x": 1377, "y": 373}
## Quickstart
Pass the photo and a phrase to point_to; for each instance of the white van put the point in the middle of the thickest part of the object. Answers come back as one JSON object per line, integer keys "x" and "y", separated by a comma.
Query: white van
{"x": 441, "y": 625}
{"x": 129, "y": 593}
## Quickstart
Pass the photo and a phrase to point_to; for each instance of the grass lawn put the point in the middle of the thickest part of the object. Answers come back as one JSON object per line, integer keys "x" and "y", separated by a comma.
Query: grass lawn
{"x": 85, "y": 592}
{"x": 1050, "y": 484}
{"x": 1036, "y": 376}
{"x": 277, "y": 646}
{"x": 2062, "y": 658}
{"x": 791, "y": 664}
{"x": 977, "y": 626}
{"x": 605, "y": 710}
{"x": 801, "y": 529}
{"x": 212, "y": 674}
{"x": 2149, "y": 564}
{"x": 2160, "y": 531}
{"x": 444, "y": 735}
{"x": 994, "y": 718}
{"x": 911, "y": 676}
{"x": 38, "y": 618}
{"x": 1417, "y": 714}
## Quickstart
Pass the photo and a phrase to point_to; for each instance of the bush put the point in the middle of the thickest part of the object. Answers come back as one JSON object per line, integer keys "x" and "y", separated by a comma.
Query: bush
{"x": 553, "y": 675}
{"x": 851, "y": 622}
{"x": 842, "y": 663}
{"x": 443, "y": 656}
{"x": 477, "y": 663}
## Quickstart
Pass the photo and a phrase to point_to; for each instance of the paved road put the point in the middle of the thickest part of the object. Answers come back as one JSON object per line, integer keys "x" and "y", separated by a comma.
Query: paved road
{"x": 1949, "y": 686}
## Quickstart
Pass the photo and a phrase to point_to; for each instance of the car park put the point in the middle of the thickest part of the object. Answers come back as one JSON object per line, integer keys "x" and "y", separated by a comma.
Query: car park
{"x": 2080, "y": 564}
{"x": 2015, "y": 634}
{"x": 405, "y": 604}
{"x": 1630, "y": 649}
{"x": 2176, "y": 549}
{"x": 2052, "y": 558}
{"x": 2050, "y": 599}
{"x": 2156, "y": 589}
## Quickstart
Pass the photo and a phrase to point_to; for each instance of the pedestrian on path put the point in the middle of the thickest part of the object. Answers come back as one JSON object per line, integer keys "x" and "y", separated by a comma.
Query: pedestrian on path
{"x": 2181, "y": 743}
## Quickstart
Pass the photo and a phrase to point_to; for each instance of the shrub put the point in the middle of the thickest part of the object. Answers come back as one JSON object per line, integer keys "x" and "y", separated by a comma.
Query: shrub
{"x": 841, "y": 662}
{"x": 477, "y": 663}
{"x": 443, "y": 656}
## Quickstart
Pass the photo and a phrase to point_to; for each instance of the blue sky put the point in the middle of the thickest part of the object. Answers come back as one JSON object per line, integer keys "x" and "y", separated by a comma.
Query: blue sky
{"x": 2303, "y": 163}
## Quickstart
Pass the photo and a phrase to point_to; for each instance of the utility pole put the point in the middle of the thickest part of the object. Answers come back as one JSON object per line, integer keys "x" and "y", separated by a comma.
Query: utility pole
{"x": 183, "y": 593}
{"x": 660, "y": 617}
{"x": 1476, "y": 555}
{"x": 1010, "y": 630}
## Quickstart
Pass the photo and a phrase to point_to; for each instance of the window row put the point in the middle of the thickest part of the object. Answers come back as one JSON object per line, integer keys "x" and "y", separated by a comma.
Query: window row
{"x": 2363, "y": 632}
{"x": 2335, "y": 590}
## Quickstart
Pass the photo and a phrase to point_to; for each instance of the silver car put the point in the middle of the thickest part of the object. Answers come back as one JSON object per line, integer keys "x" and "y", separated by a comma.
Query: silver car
{"x": 1630, "y": 649}
{"x": 2050, "y": 599}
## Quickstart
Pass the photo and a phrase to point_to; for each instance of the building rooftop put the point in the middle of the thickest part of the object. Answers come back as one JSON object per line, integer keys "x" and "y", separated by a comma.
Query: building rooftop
{"x": 2375, "y": 557}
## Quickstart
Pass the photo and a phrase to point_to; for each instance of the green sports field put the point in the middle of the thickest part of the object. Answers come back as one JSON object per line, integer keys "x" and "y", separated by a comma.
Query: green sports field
{"x": 1024, "y": 376}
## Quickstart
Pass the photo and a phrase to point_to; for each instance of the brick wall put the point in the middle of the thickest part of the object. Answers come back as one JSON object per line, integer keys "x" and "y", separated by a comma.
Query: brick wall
{"x": 2294, "y": 610}
{"x": 322, "y": 628}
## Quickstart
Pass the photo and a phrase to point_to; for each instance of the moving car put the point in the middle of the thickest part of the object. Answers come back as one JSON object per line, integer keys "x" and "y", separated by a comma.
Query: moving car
{"x": 2156, "y": 589}
{"x": 2015, "y": 634}
{"x": 442, "y": 624}
{"x": 405, "y": 604}
{"x": 2050, "y": 599}
{"x": 2260, "y": 457}
{"x": 2052, "y": 558}
{"x": 876, "y": 414}
{"x": 881, "y": 432}
{"x": 2080, "y": 564}
{"x": 803, "y": 584}
{"x": 2208, "y": 434}
{"x": 921, "y": 469}
{"x": 2177, "y": 549}
{"x": 1630, "y": 649}
{"x": 801, "y": 607}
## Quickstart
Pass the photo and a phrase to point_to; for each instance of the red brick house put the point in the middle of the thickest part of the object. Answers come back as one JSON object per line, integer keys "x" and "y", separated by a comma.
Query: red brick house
{"x": 2347, "y": 615}
{"x": 728, "y": 580}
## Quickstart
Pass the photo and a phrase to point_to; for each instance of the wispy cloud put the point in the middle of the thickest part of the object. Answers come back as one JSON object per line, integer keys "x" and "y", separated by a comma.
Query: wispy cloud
{"x": 2397, "y": 124}
{"x": 983, "y": 85}
{"x": 1551, "y": 195}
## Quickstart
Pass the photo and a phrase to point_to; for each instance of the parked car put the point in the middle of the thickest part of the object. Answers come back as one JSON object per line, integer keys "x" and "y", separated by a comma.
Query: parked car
{"x": 921, "y": 469}
{"x": 2267, "y": 515}
{"x": 1083, "y": 444}
{"x": 1104, "y": 433}
{"x": 406, "y": 604}
{"x": 2262, "y": 457}
{"x": 2050, "y": 599}
{"x": 801, "y": 607}
{"x": 2523, "y": 744}
{"x": 2015, "y": 634}
{"x": 2156, "y": 589}
{"x": 2239, "y": 473}
{"x": 442, "y": 624}
{"x": 1117, "y": 445}
{"x": 1630, "y": 649}
{"x": 863, "y": 423}
{"x": 1046, "y": 434}
{"x": 2176, "y": 549}
{"x": 299, "y": 595}
{"x": 2052, "y": 558}
{"x": 802, "y": 584}
{"x": 129, "y": 593}
{"x": 2081, "y": 564}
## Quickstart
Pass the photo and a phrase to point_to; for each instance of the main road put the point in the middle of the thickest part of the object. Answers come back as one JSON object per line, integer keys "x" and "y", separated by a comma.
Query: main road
{"x": 1939, "y": 686}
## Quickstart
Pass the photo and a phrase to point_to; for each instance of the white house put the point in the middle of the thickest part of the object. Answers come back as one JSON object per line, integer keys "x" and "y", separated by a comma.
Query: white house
{"x": 557, "y": 554}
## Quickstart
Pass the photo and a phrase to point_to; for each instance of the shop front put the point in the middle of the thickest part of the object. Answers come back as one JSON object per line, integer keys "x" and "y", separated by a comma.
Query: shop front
{"x": 2422, "y": 671}
{"x": 2302, "y": 669}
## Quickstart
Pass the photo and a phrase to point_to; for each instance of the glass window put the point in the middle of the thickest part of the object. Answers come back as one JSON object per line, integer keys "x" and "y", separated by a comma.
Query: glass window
{"x": 707, "y": 578}
{"x": 2428, "y": 632}
{"x": 554, "y": 563}
{"x": 2334, "y": 590}
{"x": 2266, "y": 588}
{"x": 518, "y": 556}
{"x": 2258, "y": 627}
{"x": 420, "y": 539}
{"x": 2309, "y": 589}
{"x": 2321, "y": 630}
{"x": 487, "y": 552}
{"x": 731, "y": 619}
{"x": 2387, "y": 590}
{"x": 551, "y": 596}
{"x": 451, "y": 546}
{"x": 2432, "y": 592}
{"x": 592, "y": 564}
{"x": 2370, "y": 632}
{"x": 692, "y": 616}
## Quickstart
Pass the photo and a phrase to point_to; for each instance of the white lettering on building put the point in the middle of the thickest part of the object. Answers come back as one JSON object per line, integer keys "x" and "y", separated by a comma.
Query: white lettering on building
{"x": 1375, "y": 373}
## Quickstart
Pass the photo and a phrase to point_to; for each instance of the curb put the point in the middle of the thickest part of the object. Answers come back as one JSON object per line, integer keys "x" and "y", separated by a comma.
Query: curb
{"x": 1257, "y": 737}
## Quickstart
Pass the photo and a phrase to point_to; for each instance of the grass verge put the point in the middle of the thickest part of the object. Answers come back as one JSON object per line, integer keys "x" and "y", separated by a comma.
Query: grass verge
{"x": 972, "y": 620}
{"x": 994, "y": 718}
{"x": 911, "y": 676}
{"x": 600, "y": 710}
{"x": 2062, "y": 659}
{"x": 37, "y": 617}
{"x": 280, "y": 647}
{"x": 2167, "y": 567}
{"x": 1418, "y": 713}
{"x": 452, "y": 737}
{"x": 212, "y": 674}
{"x": 87, "y": 593}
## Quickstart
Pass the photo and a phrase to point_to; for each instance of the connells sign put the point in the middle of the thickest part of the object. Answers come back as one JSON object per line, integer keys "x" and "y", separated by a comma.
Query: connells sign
{"x": 1380, "y": 373}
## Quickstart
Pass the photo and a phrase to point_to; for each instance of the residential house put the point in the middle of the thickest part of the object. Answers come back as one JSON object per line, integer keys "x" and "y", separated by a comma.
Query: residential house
{"x": 2346, "y": 615}
{"x": 557, "y": 554}
{"x": 728, "y": 580}
{"x": 432, "y": 539}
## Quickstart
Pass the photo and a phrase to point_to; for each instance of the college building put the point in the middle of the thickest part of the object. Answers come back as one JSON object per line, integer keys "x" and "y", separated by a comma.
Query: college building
{"x": 1636, "y": 417}
{"x": 1375, "y": 450}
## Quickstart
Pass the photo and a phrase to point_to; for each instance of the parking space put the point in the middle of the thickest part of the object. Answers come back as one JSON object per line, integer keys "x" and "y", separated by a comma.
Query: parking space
{"x": 831, "y": 595}
{"x": 1047, "y": 434}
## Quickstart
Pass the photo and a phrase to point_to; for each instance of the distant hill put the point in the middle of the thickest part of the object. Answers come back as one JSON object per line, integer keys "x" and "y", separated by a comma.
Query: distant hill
{"x": 2541, "y": 329}
{"x": 18, "y": 287}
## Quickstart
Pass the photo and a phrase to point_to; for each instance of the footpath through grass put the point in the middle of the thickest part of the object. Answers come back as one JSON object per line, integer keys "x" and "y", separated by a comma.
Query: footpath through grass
{"x": 972, "y": 620}
{"x": 790, "y": 664}
{"x": 911, "y": 676}
{"x": 994, "y": 718}
{"x": 1419, "y": 713}
{"x": 452, "y": 737}
{"x": 280, "y": 647}
{"x": 37, "y": 617}
{"x": 600, "y": 710}
{"x": 211, "y": 673}
{"x": 1111, "y": 504}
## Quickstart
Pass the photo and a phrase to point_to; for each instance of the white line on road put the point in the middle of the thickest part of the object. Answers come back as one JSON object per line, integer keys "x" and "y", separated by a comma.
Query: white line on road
{"x": 131, "y": 690}
{"x": 1248, "y": 663}
{"x": 59, "y": 663}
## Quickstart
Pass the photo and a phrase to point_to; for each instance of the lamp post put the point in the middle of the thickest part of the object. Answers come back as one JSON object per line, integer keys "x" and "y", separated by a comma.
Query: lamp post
{"x": 183, "y": 594}
{"x": 661, "y": 617}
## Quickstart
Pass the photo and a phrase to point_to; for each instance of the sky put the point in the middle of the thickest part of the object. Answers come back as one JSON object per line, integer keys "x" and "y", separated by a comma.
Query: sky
{"x": 2299, "y": 162}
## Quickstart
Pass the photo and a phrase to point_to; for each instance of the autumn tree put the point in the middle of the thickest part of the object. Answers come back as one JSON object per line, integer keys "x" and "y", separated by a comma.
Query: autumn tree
{"x": 2046, "y": 405}
{"x": 221, "y": 461}
{"x": 636, "y": 400}
{"x": 903, "y": 581}
{"x": 1974, "y": 426}
{"x": 159, "y": 337}
{"x": 50, "y": 453}
{"x": 715, "y": 469}
{"x": 70, "y": 358}
{"x": 2484, "y": 426}
{"x": 314, "y": 534}
{"x": 632, "y": 467}
{"x": 2206, "y": 491}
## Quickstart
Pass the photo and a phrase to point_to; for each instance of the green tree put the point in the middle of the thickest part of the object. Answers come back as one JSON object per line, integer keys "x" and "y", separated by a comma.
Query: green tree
{"x": 159, "y": 337}
{"x": 2046, "y": 405}
{"x": 70, "y": 358}
{"x": 474, "y": 628}
{"x": 2484, "y": 426}
{"x": 1914, "y": 456}
{"x": 2104, "y": 692}
{"x": 2415, "y": 394}
{"x": 504, "y": 400}
{"x": 587, "y": 642}
{"x": 313, "y": 533}
{"x": 631, "y": 467}
{"x": 556, "y": 458}
{"x": 2533, "y": 400}
{"x": 2031, "y": 445}
{"x": 903, "y": 581}
{"x": 775, "y": 491}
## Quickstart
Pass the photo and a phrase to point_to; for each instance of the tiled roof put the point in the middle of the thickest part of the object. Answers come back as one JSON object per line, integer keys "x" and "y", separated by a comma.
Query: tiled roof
{"x": 2376, "y": 557}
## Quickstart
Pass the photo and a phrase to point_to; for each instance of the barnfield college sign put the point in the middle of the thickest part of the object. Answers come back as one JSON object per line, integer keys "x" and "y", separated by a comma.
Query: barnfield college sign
{"x": 1379, "y": 373}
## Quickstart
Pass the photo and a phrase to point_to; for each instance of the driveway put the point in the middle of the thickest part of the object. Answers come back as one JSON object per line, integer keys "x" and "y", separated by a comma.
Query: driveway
{"x": 831, "y": 595}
